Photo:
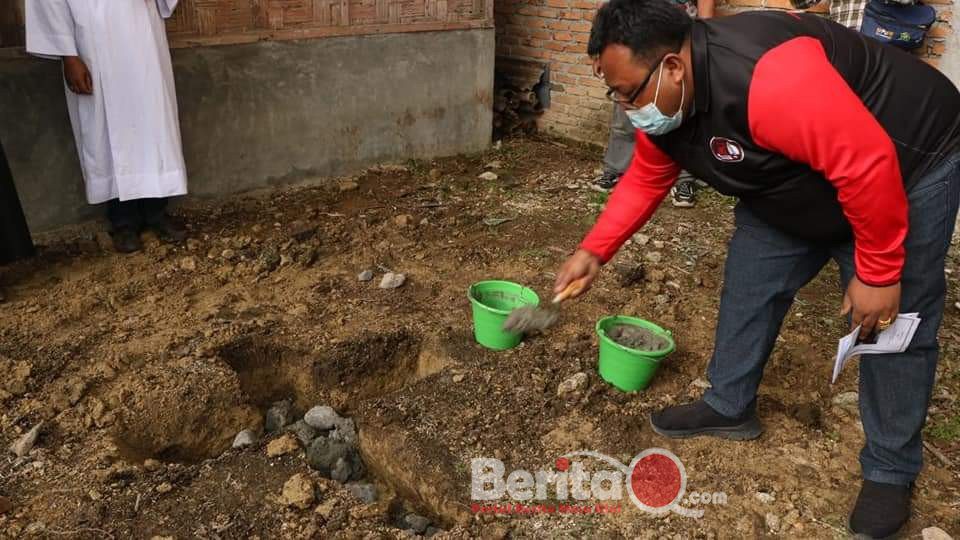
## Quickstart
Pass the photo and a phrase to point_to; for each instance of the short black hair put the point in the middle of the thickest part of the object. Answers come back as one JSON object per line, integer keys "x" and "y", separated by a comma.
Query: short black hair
{"x": 649, "y": 28}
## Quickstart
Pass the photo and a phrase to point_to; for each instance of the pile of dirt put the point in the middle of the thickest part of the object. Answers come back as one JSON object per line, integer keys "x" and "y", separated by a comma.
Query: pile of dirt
{"x": 637, "y": 338}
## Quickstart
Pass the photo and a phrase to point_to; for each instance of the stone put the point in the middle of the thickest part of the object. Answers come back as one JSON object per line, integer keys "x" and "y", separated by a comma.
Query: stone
{"x": 929, "y": 533}
{"x": 364, "y": 491}
{"x": 323, "y": 454}
{"x": 701, "y": 383}
{"x": 431, "y": 532}
{"x": 459, "y": 377}
{"x": 772, "y": 521}
{"x": 366, "y": 275}
{"x": 345, "y": 430}
{"x": 325, "y": 509}
{"x": 164, "y": 488}
{"x": 657, "y": 275}
{"x": 654, "y": 256}
{"x": 228, "y": 254}
{"x": 488, "y": 176}
{"x": 322, "y": 417}
{"x": 765, "y": 498}
{"x": 641, "y": 239}
{"x": 268, "y": 261}
{"x": 298, "y": 492}
{"x": 348, "y": 185}
{"x": 392, "y": 280}
{"x": 188, "y": 263}
{"x": 435, "y": 174}
{"x": 304, "y": 432}
{"x": 244, "y": 439}
{"x": 495, "y": 164}
{"x": 846, "y": 399}
{"x": 341, "y": 471}
{"x": 278, "y": 416}
{"x": 403, "y": 220}
{"x": 661, "y": 299}
{"x": 152, "y": 465}
{"x": 416, "y": 522}
{"x": 6, "y": 505}
{"x": 24, "y": 444}
{"x": 282, "y": 445}
{"x": 572, "y": 385}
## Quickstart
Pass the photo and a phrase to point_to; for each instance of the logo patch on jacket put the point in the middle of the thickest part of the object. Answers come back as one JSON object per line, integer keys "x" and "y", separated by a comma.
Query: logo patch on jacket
{"x": 726, "y": 150}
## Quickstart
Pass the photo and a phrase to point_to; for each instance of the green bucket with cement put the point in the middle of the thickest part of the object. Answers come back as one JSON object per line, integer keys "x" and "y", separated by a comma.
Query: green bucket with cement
{"x": 492, "y": 302}
{"x": 626, "y": 368}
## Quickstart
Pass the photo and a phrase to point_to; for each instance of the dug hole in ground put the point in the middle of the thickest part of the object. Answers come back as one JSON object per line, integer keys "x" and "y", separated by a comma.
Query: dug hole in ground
{"x": 141, "y": 370}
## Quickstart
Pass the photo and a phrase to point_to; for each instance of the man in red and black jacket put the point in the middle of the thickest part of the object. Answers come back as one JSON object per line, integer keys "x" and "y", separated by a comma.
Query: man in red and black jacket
{"x": 837, "y": 147}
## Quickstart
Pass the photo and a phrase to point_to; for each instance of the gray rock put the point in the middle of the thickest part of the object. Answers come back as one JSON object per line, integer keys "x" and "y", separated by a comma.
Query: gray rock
{"x": 279, "y": 415}
{"x": 322, "y": 417}
{"x": 432, "y": 531}
{"x": 268, "y": 261}
{"x": 765, "y": 498}
{"x": 574, "y": 384}
{"x": 341, "y": 471}
{"x": 416, "y": 522}
{"x": 658, "y": 244}
{"x": 364, "y": 491}
{"x": 772, "y": 521}
{"x": 324, "y": 453}
{"x": 641, "y": 239}
{"x": 488, "y": 176}
{"x": 846, "y": 399}
{"x": 701, "y": 383}
{"x": 392, "y": 280}
{"x": 305, "y": 432}
{"x": 345, "y": 430}
{"x": 24, "y": 444}
{"x": 654, "y": 256}
{"x": 366, "y": 275}
{"x": 935, "y": 533}
{"x": 244, "y": 438}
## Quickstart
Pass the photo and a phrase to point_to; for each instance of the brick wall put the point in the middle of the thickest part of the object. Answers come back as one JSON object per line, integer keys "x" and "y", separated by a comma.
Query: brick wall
{"x": 556, "y": 31}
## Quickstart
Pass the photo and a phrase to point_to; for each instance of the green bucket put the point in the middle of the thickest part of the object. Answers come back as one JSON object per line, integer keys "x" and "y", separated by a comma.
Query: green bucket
{"x": 492, "y": 302}
{"x": 625, "y": 368}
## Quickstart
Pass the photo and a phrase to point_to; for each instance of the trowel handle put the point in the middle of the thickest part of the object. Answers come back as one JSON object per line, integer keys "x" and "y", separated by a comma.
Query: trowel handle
{"x": 574, "y": 288}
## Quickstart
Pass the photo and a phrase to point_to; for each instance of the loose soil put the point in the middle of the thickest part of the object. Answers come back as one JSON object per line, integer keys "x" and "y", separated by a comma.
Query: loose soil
{"x": 143, "y": 367}
{"x": 634, "y": 337}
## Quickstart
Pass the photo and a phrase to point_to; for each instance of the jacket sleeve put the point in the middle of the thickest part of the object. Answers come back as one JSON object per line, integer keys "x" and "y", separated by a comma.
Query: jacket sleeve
{"x": 50, "y": 29}
{"x": 636, "y": 196}
{"x": 800, "y": 106}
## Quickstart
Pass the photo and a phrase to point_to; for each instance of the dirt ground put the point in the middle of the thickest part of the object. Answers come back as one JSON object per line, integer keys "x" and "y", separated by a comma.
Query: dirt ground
{"x": 142, "y": 368}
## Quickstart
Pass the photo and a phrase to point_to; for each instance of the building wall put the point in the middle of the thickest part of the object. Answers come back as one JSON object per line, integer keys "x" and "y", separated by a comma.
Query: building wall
{"x": 557, "y": 31}
{"x": 265, "y": 114}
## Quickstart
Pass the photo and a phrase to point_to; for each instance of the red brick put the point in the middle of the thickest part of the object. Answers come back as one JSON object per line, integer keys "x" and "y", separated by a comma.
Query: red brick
{"x": 570, "y": 15}
{"x": 580, "y": 70}
{"x": 940, "y": 30}
{"x": 580, "y": 26}
{"x": 593, "y": 82}
{"x": 563, "y": 36}
{"x": 945, "y": 15}
{"x": 530, "y": 42}
{"x": 565, "y": 99}
{"x": 584, "y": 4}
{"x": 557, "y": 3}
{"x": 530, "y": 52}
{"x": 564, "y": 79}
{"x": 581, "y": 37}
{"x": 938, "y": 48}
{"x": 745, "y": 3}
{"x": 529, "y": 10}
{"x": 554, "y": 46}
{"x": 558, "y": 25}
{"x": 542, "y": 34}
{"x": 564, "y": 57}
{"x": 576, "y": 90}
{"x": 944, "y": 2}
{"x": 588, "y": 15}
{"x": 578, "y": 48}
{"x": 548, "y": 13}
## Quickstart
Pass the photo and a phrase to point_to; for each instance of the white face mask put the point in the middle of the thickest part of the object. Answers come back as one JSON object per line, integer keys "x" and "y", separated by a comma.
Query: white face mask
{"x": 650, "y": 120}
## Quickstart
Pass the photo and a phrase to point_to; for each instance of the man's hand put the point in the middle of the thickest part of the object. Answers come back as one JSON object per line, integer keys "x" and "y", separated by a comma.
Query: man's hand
{"x": 870, "y": 305}
{"x": 581, "y": 264}
{"x": 77, "y": 75}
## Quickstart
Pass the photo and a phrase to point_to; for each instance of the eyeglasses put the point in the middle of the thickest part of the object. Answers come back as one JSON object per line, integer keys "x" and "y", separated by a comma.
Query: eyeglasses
{"x": 619, "y": 99}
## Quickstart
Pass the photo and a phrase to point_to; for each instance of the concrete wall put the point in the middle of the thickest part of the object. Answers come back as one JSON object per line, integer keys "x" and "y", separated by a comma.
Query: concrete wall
{"x": 269, "y": 113}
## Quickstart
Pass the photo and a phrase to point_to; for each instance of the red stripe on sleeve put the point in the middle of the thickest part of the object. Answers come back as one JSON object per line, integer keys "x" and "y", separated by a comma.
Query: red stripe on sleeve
{"x": 641, "y": 189}
{"x": 800, "y": 106}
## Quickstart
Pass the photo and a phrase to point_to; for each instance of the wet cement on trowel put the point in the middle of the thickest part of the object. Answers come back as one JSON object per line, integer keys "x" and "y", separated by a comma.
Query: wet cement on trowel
{"x": 635, "y": 337}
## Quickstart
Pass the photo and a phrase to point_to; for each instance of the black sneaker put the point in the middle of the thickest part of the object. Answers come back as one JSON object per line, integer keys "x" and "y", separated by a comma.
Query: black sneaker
{"x": 881, "y": 511}
{"x": 605, "y": 182}
{"x": 169, "y": 230}
{"x": 684, "y": 194}
{"x": 698, "y": 418}
{"x": 126, "y": 240}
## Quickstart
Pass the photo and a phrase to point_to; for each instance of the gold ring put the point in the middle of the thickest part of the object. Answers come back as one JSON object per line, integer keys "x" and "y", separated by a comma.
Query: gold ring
{"x": 884, "y": 324}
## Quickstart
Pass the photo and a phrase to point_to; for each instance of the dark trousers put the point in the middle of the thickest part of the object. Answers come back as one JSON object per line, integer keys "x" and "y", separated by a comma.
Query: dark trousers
{"x": 15, "y": 242}
{"x": 136, "y": 214}
{"x": 764, "y": 270}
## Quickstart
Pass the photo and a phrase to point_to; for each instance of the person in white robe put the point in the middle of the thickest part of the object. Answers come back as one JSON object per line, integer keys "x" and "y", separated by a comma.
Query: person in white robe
{"x": 123, "y": 106}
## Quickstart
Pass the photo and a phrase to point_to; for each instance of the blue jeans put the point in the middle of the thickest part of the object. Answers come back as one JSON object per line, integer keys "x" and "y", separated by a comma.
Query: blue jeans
{"x": 764, "y": 270}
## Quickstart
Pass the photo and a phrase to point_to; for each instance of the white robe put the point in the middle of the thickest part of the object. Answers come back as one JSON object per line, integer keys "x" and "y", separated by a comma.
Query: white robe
{"x": 127, "y": 131}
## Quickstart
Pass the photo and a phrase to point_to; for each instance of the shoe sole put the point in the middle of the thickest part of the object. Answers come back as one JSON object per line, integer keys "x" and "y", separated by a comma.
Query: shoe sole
{"x": 860, "y": 536}
{"x": 683, "y": 204}
{"x": 599, "y": 189}
{"x": 749, "y": 430}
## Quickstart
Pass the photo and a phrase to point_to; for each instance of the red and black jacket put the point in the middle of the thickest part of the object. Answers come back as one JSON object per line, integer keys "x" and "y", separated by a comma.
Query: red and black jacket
{"x": 819, "y": 130}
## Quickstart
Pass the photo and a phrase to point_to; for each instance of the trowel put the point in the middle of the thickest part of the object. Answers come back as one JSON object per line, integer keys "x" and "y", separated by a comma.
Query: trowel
{"x": 529, "y": 318}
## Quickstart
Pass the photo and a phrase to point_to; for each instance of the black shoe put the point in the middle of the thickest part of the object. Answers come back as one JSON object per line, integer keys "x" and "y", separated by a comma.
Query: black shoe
{"x": 169, "y": 230}
{"x": 881, "y": 511}
{"x": 126, "y": 240}
{"x": 605, "y": 182}
{"x": 698, "y": 418}
{"x": 684, "y": 194}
